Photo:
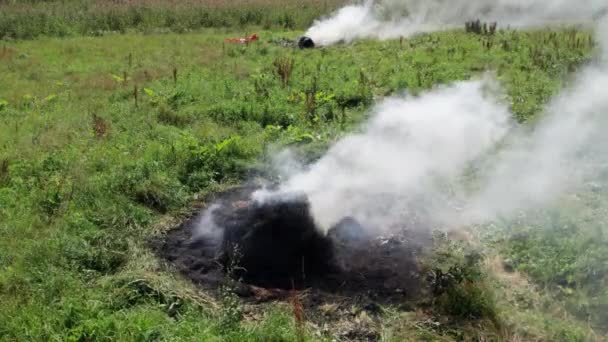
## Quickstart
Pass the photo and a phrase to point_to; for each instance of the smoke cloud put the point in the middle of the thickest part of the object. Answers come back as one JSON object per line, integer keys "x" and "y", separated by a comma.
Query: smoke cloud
{"x": 453, "y": 157}
{"x": 386, "y": 19}
{"x": 206, "y": 228}
{"x": 563, "y": 152}
{"x": 405, "y": 151}
{"x": 566, "y": 150}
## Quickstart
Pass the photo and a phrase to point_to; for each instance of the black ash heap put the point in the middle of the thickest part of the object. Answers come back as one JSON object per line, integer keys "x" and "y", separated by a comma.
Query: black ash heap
{"x": 276, "y": 244}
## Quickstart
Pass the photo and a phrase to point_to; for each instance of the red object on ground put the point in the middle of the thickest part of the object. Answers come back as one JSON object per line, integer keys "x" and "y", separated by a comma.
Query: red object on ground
{"x": 243, "y": 40}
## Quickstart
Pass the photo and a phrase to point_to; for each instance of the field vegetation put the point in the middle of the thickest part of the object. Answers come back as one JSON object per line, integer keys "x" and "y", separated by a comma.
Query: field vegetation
{"x": 30, "y": 19}
{"x": 120, "y": 118}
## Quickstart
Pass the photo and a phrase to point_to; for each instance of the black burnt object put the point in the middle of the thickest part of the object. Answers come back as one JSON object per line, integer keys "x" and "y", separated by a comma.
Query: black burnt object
{"x": 276, "y": 244}
{"x": 306, "y": 43}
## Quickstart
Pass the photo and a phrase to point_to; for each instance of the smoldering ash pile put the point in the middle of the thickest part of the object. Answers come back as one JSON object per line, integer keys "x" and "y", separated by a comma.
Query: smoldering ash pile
{"x": 276, "y": 243}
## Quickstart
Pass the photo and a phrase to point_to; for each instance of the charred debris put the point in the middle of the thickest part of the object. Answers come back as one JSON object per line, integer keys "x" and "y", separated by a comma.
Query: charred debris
{"x": 276, "y": 245}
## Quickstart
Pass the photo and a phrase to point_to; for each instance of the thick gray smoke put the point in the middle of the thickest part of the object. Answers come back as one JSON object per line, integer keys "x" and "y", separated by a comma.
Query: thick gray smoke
{"x": 454, "y": 157}
{"x": 387, "y": 19}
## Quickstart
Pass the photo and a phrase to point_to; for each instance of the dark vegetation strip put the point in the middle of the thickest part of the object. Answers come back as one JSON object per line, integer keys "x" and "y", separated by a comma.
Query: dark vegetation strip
{"x": 28, "y": 20}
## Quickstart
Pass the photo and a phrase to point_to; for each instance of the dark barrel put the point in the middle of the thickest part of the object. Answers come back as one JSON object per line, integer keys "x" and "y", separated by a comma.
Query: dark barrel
{"x": 306, "y": 43}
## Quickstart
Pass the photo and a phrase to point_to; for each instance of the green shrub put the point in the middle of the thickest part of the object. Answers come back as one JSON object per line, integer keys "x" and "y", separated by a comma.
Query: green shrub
{"x": 459, "y": 285}
{"x": 467, "y": 300}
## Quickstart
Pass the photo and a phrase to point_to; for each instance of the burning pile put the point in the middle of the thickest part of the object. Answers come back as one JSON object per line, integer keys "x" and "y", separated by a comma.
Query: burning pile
{"x": 276, "y": 244}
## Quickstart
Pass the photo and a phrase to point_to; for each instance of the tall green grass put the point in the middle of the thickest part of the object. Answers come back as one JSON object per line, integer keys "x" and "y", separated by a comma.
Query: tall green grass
{"x": 83, "y": 17}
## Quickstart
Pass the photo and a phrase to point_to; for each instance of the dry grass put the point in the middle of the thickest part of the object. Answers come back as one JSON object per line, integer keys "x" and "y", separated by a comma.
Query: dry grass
{"x": 284, "y": 69}
{"x": 103, "y": 81}
{"x": 7, "y": 52}
{"x": 298, "y": 313}
{"x": 100, "y": 126}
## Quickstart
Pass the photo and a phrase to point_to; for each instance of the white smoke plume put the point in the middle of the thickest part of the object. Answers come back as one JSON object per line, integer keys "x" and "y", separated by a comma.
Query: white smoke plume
{"x": 206, "y": 226}
{"x": 567, "y": 148}
{"x": 412, "y": 155}
{"x": 558, "y": 156}
{"x": 386, "y": 19}
{"x": 408, "y": 146}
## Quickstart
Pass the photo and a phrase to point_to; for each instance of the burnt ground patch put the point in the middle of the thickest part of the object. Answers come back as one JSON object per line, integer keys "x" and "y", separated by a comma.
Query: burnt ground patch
{"x": 275, "y": 246}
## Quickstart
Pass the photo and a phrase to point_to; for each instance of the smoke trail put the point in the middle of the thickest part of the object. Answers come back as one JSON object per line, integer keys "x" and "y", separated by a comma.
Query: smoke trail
{"x": 205, "y": 226}
{"x": 409, "y": 147}
{"x": 567, "y": 148}
{"x": 564, "y": 150}
{"x": 410, "y": 158}
{"x": 387, "y": 19}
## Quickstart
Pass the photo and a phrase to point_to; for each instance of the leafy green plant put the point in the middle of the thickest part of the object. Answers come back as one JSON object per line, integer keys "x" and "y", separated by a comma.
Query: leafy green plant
{"x": 458, "y": 283}
{"x": 262, "y": 85}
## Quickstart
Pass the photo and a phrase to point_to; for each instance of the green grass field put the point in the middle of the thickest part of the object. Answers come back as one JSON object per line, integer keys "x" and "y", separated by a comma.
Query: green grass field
{"x": 32, "y": 18}
{"x": 107, "y": 142}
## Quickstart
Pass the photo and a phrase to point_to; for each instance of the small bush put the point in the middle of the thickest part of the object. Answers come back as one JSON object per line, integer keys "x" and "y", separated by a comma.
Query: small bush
{"x": 204, "y": 164}
{"x": 284, "y": 69}
{"x": 467, "y": 300}
{"x": 458, "y": 284}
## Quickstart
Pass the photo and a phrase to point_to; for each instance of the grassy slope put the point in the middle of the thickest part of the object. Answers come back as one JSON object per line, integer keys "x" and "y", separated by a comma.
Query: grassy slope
{"x": 86, "y": 176}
